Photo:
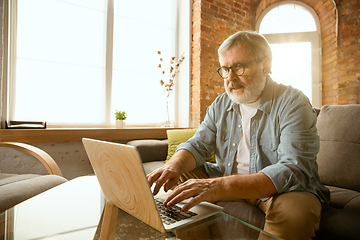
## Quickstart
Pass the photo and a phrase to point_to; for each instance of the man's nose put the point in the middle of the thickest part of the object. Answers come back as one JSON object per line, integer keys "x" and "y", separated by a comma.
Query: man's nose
{"x": 232, "y": 76}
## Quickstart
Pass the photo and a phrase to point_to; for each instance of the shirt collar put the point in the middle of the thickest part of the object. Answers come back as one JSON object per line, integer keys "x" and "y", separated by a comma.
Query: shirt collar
{"x": 233, "y": 106}
{"x": 267, "y": 96}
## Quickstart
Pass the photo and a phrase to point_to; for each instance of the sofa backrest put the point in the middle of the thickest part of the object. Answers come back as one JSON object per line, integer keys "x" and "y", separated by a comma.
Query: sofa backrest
{"x": 339, "y": 155}
{"x": 151, "y": 149}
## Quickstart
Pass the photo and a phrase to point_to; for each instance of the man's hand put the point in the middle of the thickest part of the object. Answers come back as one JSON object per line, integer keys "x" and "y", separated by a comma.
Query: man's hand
{"x": 228, "y": 188}
{"x": 167, "y": 176}
{"x": 201, "y": 190}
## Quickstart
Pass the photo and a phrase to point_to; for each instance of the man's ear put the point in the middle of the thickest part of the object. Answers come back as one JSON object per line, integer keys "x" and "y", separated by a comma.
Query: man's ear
{"x": 266, "y": 64}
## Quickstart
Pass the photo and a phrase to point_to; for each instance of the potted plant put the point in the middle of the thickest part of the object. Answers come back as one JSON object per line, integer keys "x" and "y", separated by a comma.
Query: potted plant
{"x": 120, "y": 117}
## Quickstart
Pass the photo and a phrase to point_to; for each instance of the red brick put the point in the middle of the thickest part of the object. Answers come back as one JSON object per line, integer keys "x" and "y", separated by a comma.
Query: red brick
{"x": 215, "y": 20}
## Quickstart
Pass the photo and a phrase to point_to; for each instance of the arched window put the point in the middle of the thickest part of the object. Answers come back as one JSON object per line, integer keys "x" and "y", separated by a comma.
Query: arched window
{"x": 292, "y": 30}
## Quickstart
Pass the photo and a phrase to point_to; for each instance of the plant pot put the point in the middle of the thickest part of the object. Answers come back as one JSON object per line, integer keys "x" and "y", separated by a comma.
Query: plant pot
{"x": 120, "y": 123}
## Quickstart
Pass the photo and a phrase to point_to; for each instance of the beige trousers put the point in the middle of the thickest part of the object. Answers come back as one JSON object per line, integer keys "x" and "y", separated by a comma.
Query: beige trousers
{"x": 293, "y": 215}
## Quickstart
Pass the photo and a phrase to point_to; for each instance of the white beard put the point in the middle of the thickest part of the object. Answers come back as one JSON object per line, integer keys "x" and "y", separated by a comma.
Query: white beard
{"x": 251, "y": 92}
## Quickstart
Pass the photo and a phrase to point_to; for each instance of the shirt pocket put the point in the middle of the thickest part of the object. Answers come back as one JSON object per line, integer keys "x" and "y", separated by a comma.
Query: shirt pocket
{"x": 269, "y": 147}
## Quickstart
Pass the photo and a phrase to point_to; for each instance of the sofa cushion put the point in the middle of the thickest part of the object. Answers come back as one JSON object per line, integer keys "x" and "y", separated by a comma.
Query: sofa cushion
{"x": 150, "y": 149}
{"x": 341, "y": 197}
{"x": 339, "y": 224}
{"x": 151, "y": 166}
{"x": 17, "y": 188}
{"x": 354, "y": 204}
{"x": 339, "y": 127}
{"x": 177, "y": 136}
{"x": 6, "y": 175}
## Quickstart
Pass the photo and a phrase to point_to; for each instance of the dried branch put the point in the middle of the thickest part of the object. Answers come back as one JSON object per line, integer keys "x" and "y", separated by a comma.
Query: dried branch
{"x": 174, "y": 69}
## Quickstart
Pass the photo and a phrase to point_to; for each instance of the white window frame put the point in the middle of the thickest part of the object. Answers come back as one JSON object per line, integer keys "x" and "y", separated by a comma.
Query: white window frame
{"x": 182, "y": 45}
{"x": 313, "y": 37}
{"x": 183, "y": 85}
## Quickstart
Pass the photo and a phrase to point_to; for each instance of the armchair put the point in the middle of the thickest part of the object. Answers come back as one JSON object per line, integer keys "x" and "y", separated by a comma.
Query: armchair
{"x": 16, "y": 188}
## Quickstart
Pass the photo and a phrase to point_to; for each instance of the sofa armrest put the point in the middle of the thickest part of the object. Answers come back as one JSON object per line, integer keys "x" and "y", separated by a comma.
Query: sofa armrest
{"x": 151, "y": 149}
{"x": 39, "y": 154}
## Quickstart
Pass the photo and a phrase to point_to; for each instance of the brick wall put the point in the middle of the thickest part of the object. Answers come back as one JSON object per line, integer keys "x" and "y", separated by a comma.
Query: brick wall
{"x": 327, "y": 14}
{"x": 215, "y": 20}
{"x": 349, "y": 52}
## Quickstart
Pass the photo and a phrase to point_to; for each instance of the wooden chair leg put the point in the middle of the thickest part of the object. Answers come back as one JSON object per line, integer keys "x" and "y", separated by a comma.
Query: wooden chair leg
{"x": 108, "y": 227}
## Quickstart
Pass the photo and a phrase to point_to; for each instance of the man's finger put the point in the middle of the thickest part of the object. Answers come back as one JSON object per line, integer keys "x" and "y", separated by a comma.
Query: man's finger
{"x": 157, "y": 188}
{"x": 178, "y": 190}
{"x": 170, "y": 183}
{"x": 177, "y": 197}
{"x": 193, "y": 202}
{"x": 152, "y": 177}
{"x": 159, "y": 183}
{"x": 165, "y": 176}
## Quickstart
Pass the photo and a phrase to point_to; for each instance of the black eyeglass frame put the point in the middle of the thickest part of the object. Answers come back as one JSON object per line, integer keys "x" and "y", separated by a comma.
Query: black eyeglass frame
{"x": 236, "y": 64}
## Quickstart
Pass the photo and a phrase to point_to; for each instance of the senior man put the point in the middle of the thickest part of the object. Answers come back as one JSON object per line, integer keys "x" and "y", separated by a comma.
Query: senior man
{"x": 265, "y": 139}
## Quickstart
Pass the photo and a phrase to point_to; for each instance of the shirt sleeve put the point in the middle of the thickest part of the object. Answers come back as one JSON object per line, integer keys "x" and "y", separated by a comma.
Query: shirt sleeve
{"x": 202, "y": 144}
{"x": 299, "y": 144}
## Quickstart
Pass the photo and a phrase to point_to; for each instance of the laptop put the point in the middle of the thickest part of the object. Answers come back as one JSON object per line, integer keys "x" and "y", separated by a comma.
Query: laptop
{"x": 121, "y": 176}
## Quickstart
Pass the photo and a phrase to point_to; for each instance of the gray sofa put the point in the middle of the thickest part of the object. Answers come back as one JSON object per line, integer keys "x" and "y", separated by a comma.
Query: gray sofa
{"x": 339, "y": 170}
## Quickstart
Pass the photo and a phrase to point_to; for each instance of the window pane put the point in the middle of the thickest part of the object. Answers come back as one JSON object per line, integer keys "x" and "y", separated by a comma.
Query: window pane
{"x": 60, "y": 61}
{"x": 136, "y": 76}
{"x": 60, "y": 71}
{"x": 58, "y": 93}
{"x": 287, "y": 18}
{"x": 292, "y": 65}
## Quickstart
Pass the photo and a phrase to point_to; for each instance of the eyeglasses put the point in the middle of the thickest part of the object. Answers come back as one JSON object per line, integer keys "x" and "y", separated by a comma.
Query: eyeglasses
{"x": 238, "y": 69}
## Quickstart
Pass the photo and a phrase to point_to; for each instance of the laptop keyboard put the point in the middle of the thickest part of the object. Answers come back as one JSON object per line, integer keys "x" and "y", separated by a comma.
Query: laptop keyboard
{"x": 173, "y": 214}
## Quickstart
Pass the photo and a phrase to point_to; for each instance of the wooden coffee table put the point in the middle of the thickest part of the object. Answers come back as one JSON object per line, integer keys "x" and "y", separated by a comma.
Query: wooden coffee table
{"x": 74, "y": 210}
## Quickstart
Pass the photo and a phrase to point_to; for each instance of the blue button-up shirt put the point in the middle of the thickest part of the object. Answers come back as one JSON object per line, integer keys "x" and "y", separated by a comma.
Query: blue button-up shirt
{"x": 283, "y": 139}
